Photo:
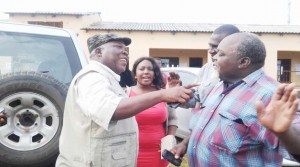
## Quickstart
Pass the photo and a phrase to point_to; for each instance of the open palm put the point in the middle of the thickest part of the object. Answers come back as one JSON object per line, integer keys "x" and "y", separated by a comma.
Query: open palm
{"x": 280, "y": 112}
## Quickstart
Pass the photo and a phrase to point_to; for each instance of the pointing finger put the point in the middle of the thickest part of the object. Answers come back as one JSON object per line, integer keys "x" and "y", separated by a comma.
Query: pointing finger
{"x": 191, "y": 86}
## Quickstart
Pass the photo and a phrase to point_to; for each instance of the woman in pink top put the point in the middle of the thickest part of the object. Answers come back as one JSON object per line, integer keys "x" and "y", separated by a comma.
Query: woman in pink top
{"x": 152, "y": 121}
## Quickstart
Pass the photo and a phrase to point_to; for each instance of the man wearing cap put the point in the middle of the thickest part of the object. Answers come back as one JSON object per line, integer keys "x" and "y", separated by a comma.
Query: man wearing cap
{"x": 99, "y": 128}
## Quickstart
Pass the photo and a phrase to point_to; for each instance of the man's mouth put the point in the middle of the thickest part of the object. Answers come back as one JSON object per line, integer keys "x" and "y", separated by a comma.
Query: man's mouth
{"x": 215, "y": 65}
{"x": 124, "y": 61}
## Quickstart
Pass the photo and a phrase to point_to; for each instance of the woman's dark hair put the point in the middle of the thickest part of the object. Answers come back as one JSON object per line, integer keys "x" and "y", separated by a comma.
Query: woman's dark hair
{"x": 158, "y": 79}
{"x": 126, "y": 78}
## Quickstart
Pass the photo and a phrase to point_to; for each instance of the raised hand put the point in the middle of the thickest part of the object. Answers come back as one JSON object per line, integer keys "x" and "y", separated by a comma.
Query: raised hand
{"x": 280, "y": 112}
{"x": 174, "y": 80}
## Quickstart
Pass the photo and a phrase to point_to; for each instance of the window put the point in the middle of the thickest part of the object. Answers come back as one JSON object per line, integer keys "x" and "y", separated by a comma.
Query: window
{"x": 196, "y": 62}
{"x": 46, "y": 54}
{"x": 46, "y": 23}
{"x": 169, "y": 61}
{"x": 284, "y": 70}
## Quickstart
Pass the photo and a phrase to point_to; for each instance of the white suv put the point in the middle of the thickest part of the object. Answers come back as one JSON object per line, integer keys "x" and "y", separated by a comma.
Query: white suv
{"x": 188, "y": 75}
{"x": 37, "y": 63}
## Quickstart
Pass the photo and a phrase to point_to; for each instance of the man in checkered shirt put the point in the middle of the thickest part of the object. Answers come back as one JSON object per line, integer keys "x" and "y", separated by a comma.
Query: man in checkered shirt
{"x": 227, "y": 131}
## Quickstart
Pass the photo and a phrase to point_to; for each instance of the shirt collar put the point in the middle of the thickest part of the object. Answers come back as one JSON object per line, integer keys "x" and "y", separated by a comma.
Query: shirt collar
{"x": 253, "y": 77}
{"x": 249, "y": 80}
{"x": 99, "y": 66}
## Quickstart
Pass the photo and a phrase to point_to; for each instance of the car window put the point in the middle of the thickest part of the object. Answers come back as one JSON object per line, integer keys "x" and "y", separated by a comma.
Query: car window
{"x": 46, "y": 54}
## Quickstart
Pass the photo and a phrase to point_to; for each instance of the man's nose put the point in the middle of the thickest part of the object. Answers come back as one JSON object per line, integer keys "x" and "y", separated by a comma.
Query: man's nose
{"x": 212, "y": 50}
{"x": 125, "y": 50}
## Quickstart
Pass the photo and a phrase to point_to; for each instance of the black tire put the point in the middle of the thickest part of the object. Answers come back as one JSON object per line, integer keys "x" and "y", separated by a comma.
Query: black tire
{"x": 34, "y": 104}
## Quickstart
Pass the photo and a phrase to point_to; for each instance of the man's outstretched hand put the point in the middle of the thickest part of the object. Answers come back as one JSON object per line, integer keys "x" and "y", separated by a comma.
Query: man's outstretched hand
{"x": 280, "y": 112}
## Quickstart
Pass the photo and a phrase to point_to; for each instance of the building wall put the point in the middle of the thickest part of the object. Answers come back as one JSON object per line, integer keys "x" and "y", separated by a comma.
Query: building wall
{"x": 193, "y": 44}
{"x": 182, "y": 44}
{"x": 70, "y": 22}
{"x": 143, "y": 42}
{"x": 183, "y": 54}
{"x": 276, "y": 43}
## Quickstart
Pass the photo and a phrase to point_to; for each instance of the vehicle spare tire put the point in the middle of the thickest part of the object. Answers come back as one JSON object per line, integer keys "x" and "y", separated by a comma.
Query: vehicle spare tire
{"x": 34, "y": 104}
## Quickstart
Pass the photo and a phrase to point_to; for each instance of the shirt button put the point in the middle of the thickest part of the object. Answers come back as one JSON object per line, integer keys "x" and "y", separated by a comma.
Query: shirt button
{"x": 194, "y": 147}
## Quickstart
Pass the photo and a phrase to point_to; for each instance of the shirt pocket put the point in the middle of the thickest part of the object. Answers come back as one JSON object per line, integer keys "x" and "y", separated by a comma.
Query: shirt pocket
{"x": 117, "y": 150}
{"x": 229, "y": 133}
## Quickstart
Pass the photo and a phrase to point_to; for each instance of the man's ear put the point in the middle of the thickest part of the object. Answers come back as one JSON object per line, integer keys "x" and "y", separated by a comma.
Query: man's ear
{"x": 98, "y": 52}
{"x": 244, "y": 62}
